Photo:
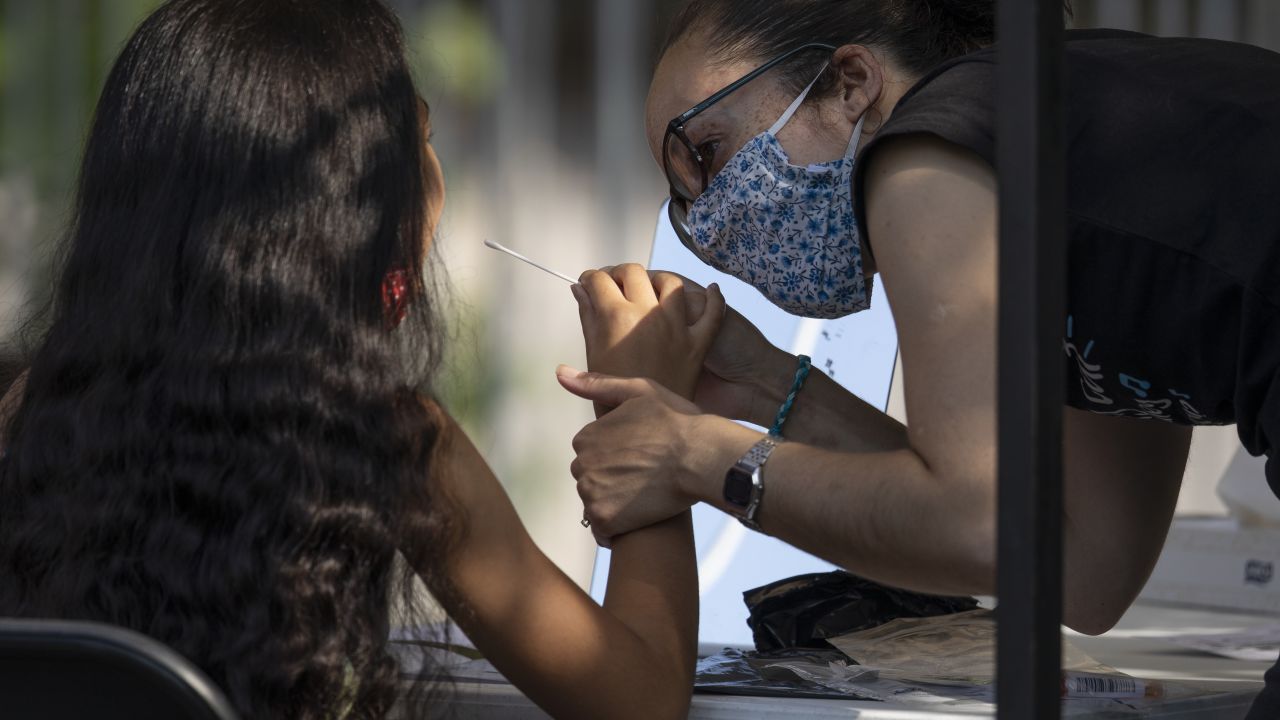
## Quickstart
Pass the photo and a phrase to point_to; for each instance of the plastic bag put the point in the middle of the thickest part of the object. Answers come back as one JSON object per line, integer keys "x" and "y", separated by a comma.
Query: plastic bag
{"x": 821, "y": 674}
{"x": 951, "y": 650}
{"x": 804, "y": 611}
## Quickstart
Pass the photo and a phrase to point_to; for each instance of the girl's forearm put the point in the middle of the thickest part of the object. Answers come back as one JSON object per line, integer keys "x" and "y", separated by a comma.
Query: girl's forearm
{"x": 653, "y": 590}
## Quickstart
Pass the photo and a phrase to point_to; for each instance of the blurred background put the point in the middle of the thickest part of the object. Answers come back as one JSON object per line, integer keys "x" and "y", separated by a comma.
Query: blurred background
{"x": 537, "y": 109}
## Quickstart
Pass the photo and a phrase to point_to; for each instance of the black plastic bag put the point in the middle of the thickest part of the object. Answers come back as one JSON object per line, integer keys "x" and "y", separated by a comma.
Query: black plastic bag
{"x": 803, "y": 611}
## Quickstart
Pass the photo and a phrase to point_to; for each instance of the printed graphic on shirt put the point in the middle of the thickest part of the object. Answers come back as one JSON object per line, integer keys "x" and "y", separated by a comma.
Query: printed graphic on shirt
{"x": 1135, "y": 396}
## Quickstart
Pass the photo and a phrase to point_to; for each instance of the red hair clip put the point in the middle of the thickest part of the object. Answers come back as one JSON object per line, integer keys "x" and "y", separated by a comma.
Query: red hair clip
{"x": 395, "y": 297}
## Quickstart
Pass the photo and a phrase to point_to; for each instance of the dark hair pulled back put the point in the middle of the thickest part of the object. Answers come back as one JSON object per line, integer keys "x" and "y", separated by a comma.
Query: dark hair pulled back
{"x": 919, "y": 34}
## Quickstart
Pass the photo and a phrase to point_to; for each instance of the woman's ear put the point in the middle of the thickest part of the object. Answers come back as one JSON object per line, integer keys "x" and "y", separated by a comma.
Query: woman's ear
{"x": 861, "y": 79}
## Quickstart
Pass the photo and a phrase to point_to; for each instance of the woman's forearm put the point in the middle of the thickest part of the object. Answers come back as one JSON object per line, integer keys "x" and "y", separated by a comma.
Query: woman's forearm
{"x": 885, "y": 514}
{"x": 825, "y": 414}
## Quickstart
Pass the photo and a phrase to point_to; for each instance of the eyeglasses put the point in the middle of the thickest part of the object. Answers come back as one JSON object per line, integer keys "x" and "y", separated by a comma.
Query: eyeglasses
{"x": 687, "y": 168}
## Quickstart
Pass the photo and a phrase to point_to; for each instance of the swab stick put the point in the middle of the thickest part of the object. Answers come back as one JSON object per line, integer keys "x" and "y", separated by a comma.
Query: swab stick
{"x": 518, "y": 256}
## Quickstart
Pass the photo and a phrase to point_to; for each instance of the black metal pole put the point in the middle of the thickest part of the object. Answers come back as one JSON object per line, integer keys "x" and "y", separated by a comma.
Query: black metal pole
{"x": 1030, "y": 160}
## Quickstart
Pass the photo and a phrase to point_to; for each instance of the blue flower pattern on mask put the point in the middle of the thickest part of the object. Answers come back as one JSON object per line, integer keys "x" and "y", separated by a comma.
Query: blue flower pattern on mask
{"x": 787, "y": 230}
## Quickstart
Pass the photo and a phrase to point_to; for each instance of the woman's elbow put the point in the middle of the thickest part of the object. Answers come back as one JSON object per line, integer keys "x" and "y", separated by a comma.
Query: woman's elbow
{"x": 976, "y": 546}
{"x": 1094, "y": 602}
{"x": 1093, "y": 616}
{"x": 1099, "y": 585}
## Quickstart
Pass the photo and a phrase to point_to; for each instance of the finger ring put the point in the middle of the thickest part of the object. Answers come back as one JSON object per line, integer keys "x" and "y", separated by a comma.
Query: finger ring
{"x": 585, "y": 522}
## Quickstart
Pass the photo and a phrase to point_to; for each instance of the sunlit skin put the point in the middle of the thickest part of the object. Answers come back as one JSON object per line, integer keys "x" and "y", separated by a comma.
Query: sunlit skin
{"x": 526, "y": 615}
{"x": 910, "y": 505}
{"x": 434, "y": 178}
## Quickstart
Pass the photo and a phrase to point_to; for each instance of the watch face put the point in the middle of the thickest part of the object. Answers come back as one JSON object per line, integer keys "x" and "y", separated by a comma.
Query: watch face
{"x": 737, "y": 487}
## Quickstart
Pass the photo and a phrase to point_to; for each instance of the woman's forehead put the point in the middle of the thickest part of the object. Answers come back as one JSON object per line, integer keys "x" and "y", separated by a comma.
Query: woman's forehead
{"x": 688, "y": 73}
{"x": 686, "y": 76}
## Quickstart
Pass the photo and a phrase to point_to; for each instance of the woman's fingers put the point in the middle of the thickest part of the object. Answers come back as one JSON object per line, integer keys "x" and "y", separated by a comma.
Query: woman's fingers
{"x": 666, "y": 283}
{"x": 604, "y": 389}
{"x": 706, "y": 327}
{"x": 610, "y": 391}
{"x": 672, "y": 296}
{"x": 695, "y": 302}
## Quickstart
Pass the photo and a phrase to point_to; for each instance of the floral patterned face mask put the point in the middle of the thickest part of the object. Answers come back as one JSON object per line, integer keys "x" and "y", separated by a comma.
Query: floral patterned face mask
{"x": 787, "y": 230}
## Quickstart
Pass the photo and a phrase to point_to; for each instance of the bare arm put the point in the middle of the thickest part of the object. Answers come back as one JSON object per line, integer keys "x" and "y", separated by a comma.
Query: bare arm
{"x": 632, "y": 658}
{"x": 747, "y": 378}
{"x": 893, "y": 519}
{"x": 918, "y": 514}
{"x": 825, "y": 413}
{"x": 1121, "y": 486}
{"x": 921, "y": 515}
{"x": 929, "y": 518}
{"x": 635, "y": 656}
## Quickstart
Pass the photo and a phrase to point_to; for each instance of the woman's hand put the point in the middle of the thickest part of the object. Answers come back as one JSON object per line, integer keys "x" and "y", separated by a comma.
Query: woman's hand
{"x": 743, "y": 374}
{"x": 634, "y": 464}
{"x": 641, "y": 325}
{"x": 628, "y": 461}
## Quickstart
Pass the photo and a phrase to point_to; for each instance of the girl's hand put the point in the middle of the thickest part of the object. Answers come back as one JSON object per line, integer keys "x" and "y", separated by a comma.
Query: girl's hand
{"x": 641, "y": 325}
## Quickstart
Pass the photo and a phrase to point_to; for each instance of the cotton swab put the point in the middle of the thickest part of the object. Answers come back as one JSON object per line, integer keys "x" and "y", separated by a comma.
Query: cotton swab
{"x": 518, "y": 256}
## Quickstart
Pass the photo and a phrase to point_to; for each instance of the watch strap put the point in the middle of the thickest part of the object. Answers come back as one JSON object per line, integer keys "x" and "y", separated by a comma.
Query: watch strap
{"x": 759, "y": 453}
{"x": 752, "y": 463}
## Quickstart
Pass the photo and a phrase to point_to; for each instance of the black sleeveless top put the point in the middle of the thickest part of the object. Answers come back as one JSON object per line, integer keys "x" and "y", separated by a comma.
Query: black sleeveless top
{"x": 1173, "y": 221}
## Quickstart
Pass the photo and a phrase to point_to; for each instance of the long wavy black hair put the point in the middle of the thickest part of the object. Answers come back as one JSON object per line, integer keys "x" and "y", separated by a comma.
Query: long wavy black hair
{"x": 222, "y": 443}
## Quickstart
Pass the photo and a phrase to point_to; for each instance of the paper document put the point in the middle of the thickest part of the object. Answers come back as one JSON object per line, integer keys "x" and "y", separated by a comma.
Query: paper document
{"x": 1255, "y": 644}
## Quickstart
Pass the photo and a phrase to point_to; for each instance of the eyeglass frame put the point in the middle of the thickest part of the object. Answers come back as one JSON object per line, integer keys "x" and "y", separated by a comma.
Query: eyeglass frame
{"x": 676, "y": 128}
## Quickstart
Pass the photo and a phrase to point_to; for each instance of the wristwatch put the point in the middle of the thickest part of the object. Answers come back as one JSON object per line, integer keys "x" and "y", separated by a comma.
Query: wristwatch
{"x": 744, "y": 483}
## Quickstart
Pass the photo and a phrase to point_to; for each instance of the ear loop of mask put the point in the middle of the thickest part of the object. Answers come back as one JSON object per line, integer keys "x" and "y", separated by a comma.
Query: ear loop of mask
{"x": 795, "y": 106}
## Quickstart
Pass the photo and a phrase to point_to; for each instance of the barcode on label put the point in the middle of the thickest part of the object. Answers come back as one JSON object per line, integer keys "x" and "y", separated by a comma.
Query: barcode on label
{"x": 1103, "y": 687}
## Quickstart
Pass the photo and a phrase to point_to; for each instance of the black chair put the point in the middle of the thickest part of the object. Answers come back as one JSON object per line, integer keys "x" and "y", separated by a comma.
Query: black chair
{"x": 52, "y": 669}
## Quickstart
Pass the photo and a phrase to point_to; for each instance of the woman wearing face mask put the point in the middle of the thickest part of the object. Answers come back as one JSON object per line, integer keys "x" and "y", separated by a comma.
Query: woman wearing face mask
{"x": 1174, "y": 286}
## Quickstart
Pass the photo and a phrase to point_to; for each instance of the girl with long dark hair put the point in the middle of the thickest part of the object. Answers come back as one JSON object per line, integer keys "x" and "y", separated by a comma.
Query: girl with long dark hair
{"x": 227, "y": 437}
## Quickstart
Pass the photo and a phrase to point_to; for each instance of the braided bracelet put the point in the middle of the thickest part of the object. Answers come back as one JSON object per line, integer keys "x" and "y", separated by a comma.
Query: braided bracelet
{"x": 802, "y": 373}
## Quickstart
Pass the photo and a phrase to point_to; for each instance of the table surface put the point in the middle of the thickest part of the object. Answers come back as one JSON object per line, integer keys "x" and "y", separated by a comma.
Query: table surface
{"x": 1137, "y": 646}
